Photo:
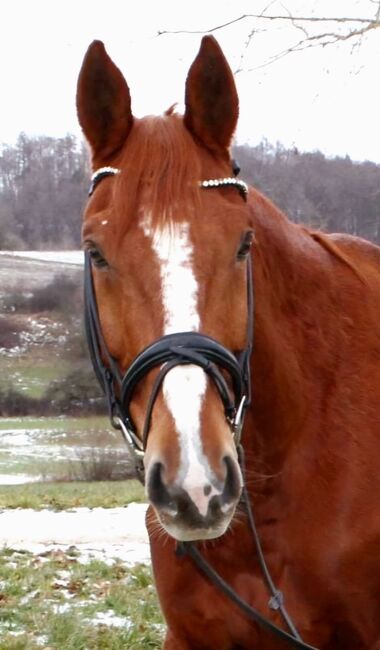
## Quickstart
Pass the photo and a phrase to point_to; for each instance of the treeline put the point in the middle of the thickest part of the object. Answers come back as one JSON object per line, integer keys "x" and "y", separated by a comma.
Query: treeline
{"x": 334, "y": 195}
{"x": 44, "y": 182}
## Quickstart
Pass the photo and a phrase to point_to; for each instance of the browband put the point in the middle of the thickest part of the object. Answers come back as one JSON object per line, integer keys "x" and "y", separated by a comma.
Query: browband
{"x": 100, "y": 173}
{"x": 240, "y": 185}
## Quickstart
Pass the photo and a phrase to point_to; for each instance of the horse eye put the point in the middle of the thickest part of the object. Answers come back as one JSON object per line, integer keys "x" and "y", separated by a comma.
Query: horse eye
{"x": 245, "y": 245}
{"x": 97, "y": 258}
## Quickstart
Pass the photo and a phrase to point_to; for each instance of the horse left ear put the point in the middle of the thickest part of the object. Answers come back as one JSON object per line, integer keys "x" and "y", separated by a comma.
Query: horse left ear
{"x": 103, "y": 104}
{"x": 212, "y": 104}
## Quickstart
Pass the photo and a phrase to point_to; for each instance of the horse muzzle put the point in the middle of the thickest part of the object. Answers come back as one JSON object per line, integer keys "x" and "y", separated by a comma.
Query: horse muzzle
{"x": 191, "y": 512}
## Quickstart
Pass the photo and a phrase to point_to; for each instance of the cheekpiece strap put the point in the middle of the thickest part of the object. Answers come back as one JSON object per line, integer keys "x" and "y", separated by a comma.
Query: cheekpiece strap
{"x": 100, "y": 173}
{"x": 227, "y": 182}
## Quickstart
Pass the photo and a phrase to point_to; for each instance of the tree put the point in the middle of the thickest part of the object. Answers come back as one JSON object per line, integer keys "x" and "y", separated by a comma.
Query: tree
{"x": 42, "y": 192}
{"x": 309, "y": 30}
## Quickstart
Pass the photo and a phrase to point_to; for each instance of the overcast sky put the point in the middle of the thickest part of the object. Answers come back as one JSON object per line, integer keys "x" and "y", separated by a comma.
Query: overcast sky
{"x": 322, "y": 98}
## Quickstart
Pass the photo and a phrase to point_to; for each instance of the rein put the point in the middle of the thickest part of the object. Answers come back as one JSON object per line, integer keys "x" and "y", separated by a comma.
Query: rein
{"x": 165, "y": 353}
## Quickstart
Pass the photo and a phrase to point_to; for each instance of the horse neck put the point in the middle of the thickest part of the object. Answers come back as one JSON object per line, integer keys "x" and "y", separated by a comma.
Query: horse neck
{"x": 293, "y": 335}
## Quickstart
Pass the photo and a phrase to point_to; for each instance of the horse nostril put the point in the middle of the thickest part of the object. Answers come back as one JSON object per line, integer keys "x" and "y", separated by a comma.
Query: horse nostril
{"x": 232, "y": 484}
{"x": 207, "y": 490}
{"x": 157, "y": 491}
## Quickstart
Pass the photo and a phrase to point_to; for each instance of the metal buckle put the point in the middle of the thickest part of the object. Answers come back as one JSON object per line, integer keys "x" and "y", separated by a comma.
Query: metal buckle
{"x": 237, "y": 423}
{"x": 129, "y": 436}
{"x": 134, "y": 445}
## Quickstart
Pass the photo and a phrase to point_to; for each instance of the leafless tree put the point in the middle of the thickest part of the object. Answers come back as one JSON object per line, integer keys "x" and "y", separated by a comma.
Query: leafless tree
{"x": 310, "y": 31}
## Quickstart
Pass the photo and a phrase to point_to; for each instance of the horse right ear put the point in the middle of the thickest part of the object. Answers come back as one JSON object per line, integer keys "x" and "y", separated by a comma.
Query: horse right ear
{"x": 103, "y": 104}
{"x": 212, "y": 104}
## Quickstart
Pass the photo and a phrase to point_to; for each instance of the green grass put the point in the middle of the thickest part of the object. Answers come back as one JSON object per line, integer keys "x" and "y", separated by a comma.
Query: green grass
{"x": 55, "y": 601}
{"x": 55, "y": 424}
{"x": 62, "y": 496}
{"x": 31, "y": 374}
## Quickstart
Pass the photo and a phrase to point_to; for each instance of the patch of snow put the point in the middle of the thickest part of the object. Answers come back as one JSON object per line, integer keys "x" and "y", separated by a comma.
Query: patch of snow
{"x": 28, "y": 597}
{"x": 19, "y": 437}
{"x": 41, "y": 639}
{"x": 109, "y": 618}
{"x": 63, "y": 257}
{"x": 102, "y": 533}
{"x": 17, "y": 479}
{"x": 61, "y": 608}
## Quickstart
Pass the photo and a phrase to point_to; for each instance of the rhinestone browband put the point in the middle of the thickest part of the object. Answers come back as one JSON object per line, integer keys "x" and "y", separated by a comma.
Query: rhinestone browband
{"x": 225, "y": 182}
{"x": 216, "y": 182}
{"x": 100, "y": 173}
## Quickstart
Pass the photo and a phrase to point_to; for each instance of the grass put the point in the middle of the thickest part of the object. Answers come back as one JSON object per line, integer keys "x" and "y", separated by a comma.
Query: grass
{"x": 63, "y": 496}
{"x": 55, "y": 601}
{"x": 55, "y": 424}
{"x": 32, "y": 375}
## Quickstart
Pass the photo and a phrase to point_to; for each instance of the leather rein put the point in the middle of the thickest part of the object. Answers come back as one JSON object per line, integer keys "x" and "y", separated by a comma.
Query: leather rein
{"x": 165, "y": 353}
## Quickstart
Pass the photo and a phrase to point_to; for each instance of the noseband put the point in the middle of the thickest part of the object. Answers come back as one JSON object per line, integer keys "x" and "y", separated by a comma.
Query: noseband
{"x": 167, "y": 352}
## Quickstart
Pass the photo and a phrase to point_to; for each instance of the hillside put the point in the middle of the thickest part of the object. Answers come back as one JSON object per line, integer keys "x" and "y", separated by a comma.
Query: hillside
{"x": 41, "y": 334}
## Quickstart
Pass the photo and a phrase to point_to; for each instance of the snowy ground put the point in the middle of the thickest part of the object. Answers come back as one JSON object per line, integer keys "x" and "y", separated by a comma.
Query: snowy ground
{"x": 63, "y": 257}
{"x": 17, "y": 479}
{"x": 105, "y": 533}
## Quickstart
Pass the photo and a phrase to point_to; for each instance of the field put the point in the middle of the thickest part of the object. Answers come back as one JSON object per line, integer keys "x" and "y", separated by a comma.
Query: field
{"x": 85, "y": 589}
{"x": 87, "y": 584}
{"x": 55, "y": 600}
{"x": 71, "y": 494}
{"x": 81, "y": 595}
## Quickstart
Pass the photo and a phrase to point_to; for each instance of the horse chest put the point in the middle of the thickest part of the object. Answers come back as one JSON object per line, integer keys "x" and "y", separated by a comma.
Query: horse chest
{"x": 198, "y": 614}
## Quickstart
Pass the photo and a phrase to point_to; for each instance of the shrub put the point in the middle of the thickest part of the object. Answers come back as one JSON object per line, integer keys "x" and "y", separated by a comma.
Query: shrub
{"x": 77, "y": 392}
{"x": 9, "y": 333}
{"x": 13, "y": 403}
{"x": 99, "y": 464}
{"x": 62, "y": 294}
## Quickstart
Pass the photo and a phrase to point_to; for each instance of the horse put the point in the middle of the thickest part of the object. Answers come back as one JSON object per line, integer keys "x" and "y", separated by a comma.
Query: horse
{"x": 240, "y": 356}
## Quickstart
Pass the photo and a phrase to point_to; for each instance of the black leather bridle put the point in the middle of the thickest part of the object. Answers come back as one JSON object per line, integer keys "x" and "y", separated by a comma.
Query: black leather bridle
{"x": 182, "y": 348}
{"x": 219, "y": 363}
{"x": 172, "y": 350}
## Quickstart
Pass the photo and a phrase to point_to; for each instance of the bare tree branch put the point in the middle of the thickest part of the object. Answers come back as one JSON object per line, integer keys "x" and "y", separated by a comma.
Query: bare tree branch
{"x": 369, "y": 22}
{"x": 342, "y": 29}
{"x": 318, "y": 40}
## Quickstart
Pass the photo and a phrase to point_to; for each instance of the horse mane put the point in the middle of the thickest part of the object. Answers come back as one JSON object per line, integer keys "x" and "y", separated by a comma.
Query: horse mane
{"x": 324, "y": 240}
{"x": 160, "y": 167}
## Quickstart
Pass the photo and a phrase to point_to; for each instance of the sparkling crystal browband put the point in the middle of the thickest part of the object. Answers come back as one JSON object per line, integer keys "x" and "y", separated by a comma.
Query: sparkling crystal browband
{"x": 225, "y": 182}
{"x": 213, "y": 182}
{"x": 100, "y": 173}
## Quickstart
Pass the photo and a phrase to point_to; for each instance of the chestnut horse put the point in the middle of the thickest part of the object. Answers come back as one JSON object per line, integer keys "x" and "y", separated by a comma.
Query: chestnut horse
{"x": 170, "y": 236}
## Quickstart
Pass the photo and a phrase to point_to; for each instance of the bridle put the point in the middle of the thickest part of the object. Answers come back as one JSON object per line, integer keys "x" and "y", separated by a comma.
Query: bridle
{"x": 182, "y": 348}
{"x": 167, "y": 352}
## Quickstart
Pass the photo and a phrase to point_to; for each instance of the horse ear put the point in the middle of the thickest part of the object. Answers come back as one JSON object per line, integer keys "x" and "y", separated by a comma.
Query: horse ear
{"x": 212, "y": 104}
{"x": 103, "y": 103}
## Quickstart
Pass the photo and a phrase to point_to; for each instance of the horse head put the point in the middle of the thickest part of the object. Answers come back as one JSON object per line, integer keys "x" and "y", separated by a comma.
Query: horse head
{"x": 168, "y": 237}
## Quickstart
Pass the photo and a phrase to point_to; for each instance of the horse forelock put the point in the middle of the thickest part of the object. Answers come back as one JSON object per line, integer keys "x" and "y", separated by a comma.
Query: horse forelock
{"x": 160, "y": 171}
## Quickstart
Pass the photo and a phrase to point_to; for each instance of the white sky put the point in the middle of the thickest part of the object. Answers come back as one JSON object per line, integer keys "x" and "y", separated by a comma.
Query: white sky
{"x": 325, "y": 99}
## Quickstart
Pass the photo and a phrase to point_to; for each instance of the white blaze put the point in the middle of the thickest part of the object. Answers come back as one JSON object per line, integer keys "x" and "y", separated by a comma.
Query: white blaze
{"x": 179, "y": 287}
{"x": 184, "y": 386}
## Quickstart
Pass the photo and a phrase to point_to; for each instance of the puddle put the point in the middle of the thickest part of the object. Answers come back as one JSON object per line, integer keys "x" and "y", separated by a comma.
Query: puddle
{"x": 50, "y": 447}
{"x": 17, "y": 479}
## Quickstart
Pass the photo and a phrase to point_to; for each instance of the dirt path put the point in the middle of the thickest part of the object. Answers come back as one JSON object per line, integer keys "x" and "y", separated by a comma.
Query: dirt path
{"x": 99, "y": 532}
